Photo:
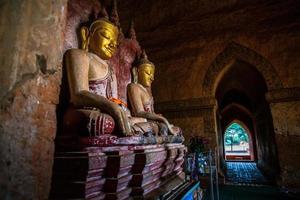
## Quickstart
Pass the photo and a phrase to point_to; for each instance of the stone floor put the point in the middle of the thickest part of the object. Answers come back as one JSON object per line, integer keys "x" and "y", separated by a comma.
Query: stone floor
{"x": 244, "y": 173}
{"x": 262, "y": 192}
{"x": 244, "y": 181}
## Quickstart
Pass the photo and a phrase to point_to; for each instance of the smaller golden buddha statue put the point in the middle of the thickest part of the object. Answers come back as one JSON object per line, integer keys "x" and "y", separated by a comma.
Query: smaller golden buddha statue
{"x": 141, "y": 99}
{"x": 92, "y": 83}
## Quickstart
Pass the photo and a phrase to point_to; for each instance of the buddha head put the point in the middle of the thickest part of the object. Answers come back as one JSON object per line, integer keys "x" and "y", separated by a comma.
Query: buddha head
{"x": 100, "y": 38}
{"x": 145, "y": 71}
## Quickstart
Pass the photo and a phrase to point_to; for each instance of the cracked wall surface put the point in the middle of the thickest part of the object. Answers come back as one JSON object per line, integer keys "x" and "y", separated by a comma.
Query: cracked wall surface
{"x": 31, "y": 35}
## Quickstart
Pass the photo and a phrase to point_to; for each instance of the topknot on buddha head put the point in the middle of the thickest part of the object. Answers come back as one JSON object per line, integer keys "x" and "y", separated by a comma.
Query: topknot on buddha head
{"x": 143, "y": 60}
{"x": 103, "y": 21}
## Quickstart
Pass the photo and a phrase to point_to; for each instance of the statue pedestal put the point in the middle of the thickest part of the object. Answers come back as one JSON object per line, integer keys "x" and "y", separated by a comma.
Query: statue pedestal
{"x": 78, "y": 174}
{"x": 116, "y": 170}
{"x": 147, "y": 168}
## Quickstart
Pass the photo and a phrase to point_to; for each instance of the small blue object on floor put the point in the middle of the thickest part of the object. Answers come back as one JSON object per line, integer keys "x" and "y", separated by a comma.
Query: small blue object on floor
{"x": 192, "y": 193}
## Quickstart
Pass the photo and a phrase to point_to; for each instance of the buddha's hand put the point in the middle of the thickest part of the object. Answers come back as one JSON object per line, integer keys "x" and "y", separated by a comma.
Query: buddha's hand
{"x": 121, "y": 119}
{"x": 172, "y": 129}
{"x": 175, "y": 130}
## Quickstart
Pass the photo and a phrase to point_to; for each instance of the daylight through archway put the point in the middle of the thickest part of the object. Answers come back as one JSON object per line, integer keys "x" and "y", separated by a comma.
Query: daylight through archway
{"x": 237, "y": 142}
{"x": 241, "y": 98}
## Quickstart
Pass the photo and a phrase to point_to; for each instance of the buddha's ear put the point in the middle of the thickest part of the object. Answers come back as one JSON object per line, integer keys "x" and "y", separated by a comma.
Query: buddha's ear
{"x": 84, "y": 31}
{"x": 134, "y": 74}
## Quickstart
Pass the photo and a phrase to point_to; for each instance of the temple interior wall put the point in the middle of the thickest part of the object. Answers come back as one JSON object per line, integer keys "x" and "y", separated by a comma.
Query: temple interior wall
{"x": 182, "y": 41}
{"x": 30, "y": 74}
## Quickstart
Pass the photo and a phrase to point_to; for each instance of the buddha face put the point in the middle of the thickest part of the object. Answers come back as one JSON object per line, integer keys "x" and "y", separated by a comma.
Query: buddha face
{"x": 103, "y": 41}
{"x": 146, "y": 74}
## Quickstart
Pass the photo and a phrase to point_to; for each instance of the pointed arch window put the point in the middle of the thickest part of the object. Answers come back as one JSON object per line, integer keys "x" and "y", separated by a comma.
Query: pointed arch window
{"x": 236, "y": 142}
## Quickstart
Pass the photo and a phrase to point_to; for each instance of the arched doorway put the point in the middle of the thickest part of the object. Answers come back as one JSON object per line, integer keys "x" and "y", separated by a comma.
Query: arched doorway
{"x": 239, "y": 113}
{"x": 241, "y": 96}
{"x": 239, "y": 78}
{"x": 237, "y": 142}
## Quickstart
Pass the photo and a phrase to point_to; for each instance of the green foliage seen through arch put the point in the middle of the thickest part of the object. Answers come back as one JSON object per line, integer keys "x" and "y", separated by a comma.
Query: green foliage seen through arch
{"x": 235, "y": 134}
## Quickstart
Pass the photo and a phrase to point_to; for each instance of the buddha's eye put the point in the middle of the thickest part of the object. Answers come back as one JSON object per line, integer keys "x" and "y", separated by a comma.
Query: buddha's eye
{"x": 148, "y": 73}
{"x": 105, "y": 35}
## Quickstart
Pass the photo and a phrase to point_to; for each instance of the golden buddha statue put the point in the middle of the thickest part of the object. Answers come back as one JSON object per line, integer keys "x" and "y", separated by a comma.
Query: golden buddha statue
{"x": 92, "y": 82}
{"x": 141, "y": 99}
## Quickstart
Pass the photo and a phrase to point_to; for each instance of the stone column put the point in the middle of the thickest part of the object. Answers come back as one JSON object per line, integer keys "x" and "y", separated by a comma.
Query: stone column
{"x": 285, "y": 108}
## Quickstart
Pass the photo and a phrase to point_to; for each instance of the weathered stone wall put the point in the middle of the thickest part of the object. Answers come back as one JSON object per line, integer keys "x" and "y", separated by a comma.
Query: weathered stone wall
{"x": 266, "y": 143}
{"x": 189, "y": 40}
{"x": 195, "y": 117}
{"x": 185, "y": 38}
{"x": 285, "y": 107}
{"x": 31, "y": 49}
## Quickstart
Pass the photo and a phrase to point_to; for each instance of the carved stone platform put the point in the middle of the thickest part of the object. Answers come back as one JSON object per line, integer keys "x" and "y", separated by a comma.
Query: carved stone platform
{"x": 115, "y": 171}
